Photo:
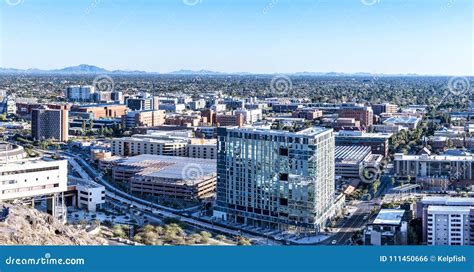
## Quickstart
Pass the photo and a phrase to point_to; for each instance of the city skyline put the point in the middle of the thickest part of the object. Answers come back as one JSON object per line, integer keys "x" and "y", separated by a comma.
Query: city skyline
{"x": 259, "y": 37}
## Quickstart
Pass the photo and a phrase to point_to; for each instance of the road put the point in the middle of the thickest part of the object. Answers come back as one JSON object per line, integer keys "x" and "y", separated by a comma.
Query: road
{"x": 351, "y": 225}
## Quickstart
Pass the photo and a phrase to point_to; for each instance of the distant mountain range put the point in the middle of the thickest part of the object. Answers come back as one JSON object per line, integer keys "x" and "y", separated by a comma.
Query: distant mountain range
{"x": 91, "y": 69}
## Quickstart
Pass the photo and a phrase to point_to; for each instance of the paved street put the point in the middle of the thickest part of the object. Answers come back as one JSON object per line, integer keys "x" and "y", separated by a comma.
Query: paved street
{"x": 351, "y": 225}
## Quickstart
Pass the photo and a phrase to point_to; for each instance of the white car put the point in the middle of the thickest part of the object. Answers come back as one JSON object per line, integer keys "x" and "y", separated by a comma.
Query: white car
{"x": 333, "y": 242}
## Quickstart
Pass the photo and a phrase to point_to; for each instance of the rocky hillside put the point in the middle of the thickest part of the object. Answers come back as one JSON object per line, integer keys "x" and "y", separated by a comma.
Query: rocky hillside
{"x": 28, "y": 226}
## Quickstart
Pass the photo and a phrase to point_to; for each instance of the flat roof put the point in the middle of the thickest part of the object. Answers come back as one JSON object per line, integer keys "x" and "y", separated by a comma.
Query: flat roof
{"x": 424, "y": 157}
{"x": 312, "y": 131}
{"x": 352, "y": 152}
{"x": 402, "y": 119}
{"x": 361, "y": 134}
{"x": 172, "y": 167}
{"x": 456, "y": 209}
{"x": 389, "y": 217}
{"x": 447, "y": 200}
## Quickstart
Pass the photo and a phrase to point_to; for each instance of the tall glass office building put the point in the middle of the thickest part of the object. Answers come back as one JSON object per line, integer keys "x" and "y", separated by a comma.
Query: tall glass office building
{"x": 275, "y": 179}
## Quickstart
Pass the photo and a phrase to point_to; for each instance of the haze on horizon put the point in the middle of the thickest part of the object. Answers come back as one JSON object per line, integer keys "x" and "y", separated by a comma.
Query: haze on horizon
{"x": 266, "y": 36}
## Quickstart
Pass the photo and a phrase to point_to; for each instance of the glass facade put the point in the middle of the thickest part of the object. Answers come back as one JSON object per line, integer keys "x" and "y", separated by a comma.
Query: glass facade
{"x": 275, "y": 179}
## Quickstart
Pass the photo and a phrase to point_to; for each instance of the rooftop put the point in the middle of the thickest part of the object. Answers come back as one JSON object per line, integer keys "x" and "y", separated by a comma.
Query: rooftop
{"x": 424, "y": 157}
{"x": 172, "y": 167}
{"x": 389, "y": 217}
{"x": 402, "y": 120}
{"x": 310, "y": 132}
{"x": 361, "y": 134}
{"x": 447, "y": 200}
{"x": 447, "y": 209}
{"x": 353, "y": 152}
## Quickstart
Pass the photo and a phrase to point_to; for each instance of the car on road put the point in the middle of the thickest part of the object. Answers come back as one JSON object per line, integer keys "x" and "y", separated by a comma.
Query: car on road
{"x": 333, "y": 242}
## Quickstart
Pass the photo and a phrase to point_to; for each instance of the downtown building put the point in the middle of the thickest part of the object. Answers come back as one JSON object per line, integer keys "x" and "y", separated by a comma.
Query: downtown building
{"x": 427, "y": 168}
{"x": 446, "y": 220}
{"x": 145, "y": 118}
{"x": 275, "y": 179}
{"x": 49, "y": 123}
{"x": 363, "y": 114}
{"x": 23, "y": 179}
{"x": 79, "y": 92}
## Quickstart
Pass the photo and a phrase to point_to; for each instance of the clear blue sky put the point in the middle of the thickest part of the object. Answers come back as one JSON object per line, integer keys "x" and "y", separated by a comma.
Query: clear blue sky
{"x": 262, "y": 36}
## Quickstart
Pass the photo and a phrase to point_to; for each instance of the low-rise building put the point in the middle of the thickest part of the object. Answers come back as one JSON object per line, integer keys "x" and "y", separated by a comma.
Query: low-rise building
{"x": 378, "y": 142}
{"x": 449, "y": 167}
{"x": 170, "y": 177}
{"x": 148, "y": 118}
{"x": 87, "y": 194}
{"x": 29, "y": 178}
{"x": 409, "y": 122}
{"x": 350, "y": 159}
{"x": 307, "y": 113}
{"x": 229, "y": 120}
{"x": 390, "y": 227}
{"x": 384, "y": 108}
{"x": 97, "y": 111}
{"x": 250, "y": 116}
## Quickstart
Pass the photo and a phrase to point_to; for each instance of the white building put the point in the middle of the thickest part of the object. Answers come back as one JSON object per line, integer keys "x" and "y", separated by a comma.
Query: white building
{"x": 448, "y": 225}
{"x": 197, "y": 104}
{"x": 447, "y": 220}
{"x": 30, "y": 178}
{"x": 79, "y": 93}
{"x": 434, "y": 166}
{"x": 176, "y": 143}
{"x": 89, "y": 194}
{"x": 250, "y": 116}
{"x": 389, "y": 228}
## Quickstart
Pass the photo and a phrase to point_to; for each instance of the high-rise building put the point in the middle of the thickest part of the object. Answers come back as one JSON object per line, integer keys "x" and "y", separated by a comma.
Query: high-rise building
{"x": 447, "y": 220}
{"x": 79, "y": 93}
{"x": 361, "y": 113}
{"x": 49, "y": 123}
{"x": 275, "y": 179}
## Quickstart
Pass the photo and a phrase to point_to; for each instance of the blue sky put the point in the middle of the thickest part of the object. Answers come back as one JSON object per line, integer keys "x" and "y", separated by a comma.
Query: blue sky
{"x": 261, "y": 36}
